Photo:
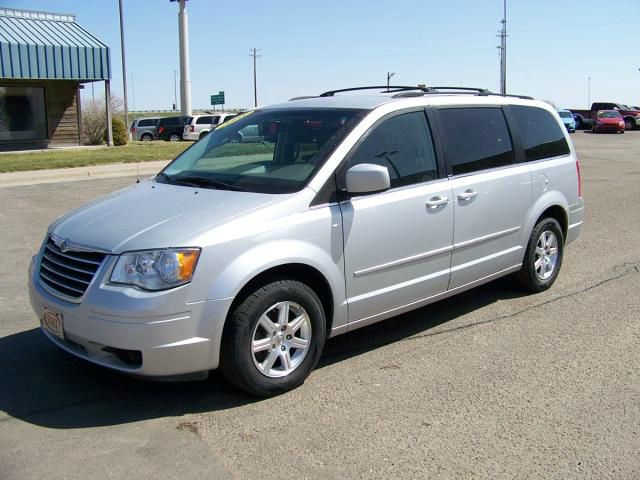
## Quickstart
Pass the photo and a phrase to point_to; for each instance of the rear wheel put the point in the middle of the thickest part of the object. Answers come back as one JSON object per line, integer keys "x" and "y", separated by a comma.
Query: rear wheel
{"x": 174, "y": 137}
{"x": 146, "y": 137}
{"x": 543, "y": 257}
{"x": 629, "y": 124}
{"x": 273, "y": 338}
{"x": 579, "y": 123}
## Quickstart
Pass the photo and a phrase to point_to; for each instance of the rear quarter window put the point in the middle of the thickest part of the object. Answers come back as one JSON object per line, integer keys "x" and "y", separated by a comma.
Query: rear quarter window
{"x": 149, "y": 122}
{"x": 477, "y": 139}
{"x": 542, "y": 136}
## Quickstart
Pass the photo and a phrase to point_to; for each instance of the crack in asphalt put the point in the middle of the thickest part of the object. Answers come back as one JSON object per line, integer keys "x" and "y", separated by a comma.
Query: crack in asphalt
{"x": 622, "y": 270}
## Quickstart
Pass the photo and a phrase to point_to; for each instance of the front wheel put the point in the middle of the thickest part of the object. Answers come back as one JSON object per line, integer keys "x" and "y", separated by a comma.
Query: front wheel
{"x": 543, "y": 257}
{"x": 273, "y": 338}
{"x": 147, "y": 137}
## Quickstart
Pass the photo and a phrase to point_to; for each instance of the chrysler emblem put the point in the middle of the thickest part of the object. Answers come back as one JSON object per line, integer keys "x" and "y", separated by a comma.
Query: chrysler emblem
{"x": 63, "y": 246}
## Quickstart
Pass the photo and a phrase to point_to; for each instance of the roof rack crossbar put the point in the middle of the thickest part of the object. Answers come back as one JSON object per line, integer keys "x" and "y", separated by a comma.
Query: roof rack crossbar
{"x": 386, "y": 89}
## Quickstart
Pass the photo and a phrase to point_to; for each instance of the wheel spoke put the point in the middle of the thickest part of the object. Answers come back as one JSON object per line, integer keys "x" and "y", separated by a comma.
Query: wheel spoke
{"x": 285, "y": 360}
{"x": 266, "y": 323}
{"x": 268, "y": 362}
{"x": 261, "y": 345}
{"x": 538, "y": 263}
{"x": 296, "y": 323}
{"x": 301, "y": 343}
{"x": 539, "y": 251}
{"x": 283, "y": 314}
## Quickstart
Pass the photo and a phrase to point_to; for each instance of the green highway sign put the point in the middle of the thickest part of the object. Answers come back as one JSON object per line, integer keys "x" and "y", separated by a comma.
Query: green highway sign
{"x": 218, "y": 99}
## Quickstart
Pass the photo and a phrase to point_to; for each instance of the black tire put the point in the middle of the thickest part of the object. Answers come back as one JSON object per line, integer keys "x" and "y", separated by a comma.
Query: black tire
{"x": 528, "y": 277}
{"x": 174, "y": 137}
{"x": 146, "y": 137}
{"x": 579, "y": 123}
{"x": 237, "y": 361}
{"x": 629, "y": 124}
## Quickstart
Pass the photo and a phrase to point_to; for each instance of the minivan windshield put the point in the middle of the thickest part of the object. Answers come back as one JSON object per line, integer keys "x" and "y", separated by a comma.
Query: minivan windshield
{"x": 265, "y": 151}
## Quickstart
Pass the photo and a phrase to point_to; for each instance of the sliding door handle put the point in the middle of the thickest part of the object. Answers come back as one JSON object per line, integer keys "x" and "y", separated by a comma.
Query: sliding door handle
{"x": 467, "y": 195}
{"x": 436, "y": 202}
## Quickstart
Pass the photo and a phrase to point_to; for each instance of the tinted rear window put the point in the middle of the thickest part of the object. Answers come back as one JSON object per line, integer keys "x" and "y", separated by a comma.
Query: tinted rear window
{"x": 204, "y": 120}
{"x": 147, "y": 122}
{"x": 174, "y": 120}
{"x": 477, "y": 139}
{"x": 542, "y": 136}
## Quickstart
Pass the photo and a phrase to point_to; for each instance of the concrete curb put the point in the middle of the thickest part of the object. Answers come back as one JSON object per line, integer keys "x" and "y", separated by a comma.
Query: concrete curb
{"x": 112, "y": 170}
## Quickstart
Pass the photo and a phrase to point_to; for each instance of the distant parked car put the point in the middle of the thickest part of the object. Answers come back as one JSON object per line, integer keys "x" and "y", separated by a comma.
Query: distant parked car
{"x": 171, "y": 128}
{"x": 567, "y": 118}
{"x": 608, "y": 121}
{"x": 199, "y": 125}
{"x": 143, "y": 128}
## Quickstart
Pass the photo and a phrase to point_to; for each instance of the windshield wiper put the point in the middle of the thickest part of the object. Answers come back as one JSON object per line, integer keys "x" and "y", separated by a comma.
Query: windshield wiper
{"x": 164, "y": 178}
{"x": 195, "y": 181}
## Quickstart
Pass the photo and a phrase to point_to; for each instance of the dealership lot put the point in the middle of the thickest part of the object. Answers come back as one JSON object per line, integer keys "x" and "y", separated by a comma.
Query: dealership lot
{"x": 489, "y": 384}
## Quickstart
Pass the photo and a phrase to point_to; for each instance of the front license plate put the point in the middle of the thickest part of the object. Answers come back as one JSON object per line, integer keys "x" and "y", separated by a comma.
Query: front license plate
{"x": 52, "y": 323}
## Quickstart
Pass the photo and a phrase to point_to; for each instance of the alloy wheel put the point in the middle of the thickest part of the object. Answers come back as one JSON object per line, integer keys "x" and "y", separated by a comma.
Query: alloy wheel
{"x": 546, "y": 257}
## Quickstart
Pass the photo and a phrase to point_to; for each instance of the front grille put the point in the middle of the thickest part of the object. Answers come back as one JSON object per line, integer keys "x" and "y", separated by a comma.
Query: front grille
{"x": 68, "y": 274}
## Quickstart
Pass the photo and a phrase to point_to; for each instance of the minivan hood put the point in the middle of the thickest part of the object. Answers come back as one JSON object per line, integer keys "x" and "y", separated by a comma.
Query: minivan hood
{"x": 152, "y": 215}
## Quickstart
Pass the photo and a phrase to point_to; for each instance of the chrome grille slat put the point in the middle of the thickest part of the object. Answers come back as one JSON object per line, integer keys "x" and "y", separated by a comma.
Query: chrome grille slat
{"x": 49, "y": 258}
{"x": 74, "y": 258}
{"x": 49, "y": 279}
{"x": 68, "y": 274}
{"x": 65, "y": 276}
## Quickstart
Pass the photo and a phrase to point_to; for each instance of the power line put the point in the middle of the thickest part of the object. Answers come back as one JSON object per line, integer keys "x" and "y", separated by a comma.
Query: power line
{"x": 254, "y": 53}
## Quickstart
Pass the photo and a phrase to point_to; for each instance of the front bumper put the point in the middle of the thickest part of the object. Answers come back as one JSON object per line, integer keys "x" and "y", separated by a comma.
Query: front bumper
{"x": 173, "y": 337}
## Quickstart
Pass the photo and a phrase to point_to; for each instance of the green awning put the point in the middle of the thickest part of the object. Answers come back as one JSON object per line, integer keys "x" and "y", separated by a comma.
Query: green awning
{"x": 51, "y": 46}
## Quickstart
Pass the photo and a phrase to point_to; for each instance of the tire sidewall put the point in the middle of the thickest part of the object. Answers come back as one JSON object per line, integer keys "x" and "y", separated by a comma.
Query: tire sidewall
{"x": 237, "y": 357}
{"x": 533, "y": 282}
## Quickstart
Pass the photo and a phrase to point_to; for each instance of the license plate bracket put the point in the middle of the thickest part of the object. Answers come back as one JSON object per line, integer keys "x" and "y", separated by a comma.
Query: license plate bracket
{"x": 53, "y": 323}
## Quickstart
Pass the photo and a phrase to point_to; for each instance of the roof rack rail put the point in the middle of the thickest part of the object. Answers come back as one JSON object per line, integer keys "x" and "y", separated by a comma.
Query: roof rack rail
{"x": 302, "y": 97}
{"x": 483, "y": 92}
{"x": 386, "y": 89}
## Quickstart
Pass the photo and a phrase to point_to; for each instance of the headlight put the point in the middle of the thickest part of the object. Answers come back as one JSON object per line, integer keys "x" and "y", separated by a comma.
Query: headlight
{"x": 157, "y": 269}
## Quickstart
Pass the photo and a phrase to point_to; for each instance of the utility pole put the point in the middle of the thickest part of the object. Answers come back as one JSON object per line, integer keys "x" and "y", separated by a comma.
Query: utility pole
{"x": 175, "y": 90}
{"x": 503, "y": 51}
{"x": 589, "y": 92}
{"x": 389, "y": 75}
{"x": 185, "y": 81}
{"x": 124, "y": 69}
{"x": 133, "y": 94}
{"x": 254, "y": 54}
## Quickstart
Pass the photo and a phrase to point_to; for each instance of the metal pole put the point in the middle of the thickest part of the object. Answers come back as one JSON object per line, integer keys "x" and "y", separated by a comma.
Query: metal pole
{"x": 589, "y": 92}
{"x": 124, "y": 71}
{"x": 133, "y": 94}
{"x": 185, "y": 82}
{"x": 503, "y": 51}
{"x": 255, "y": 55}
{"x": 107, "y": 99}
{"x": 175, "y": 90}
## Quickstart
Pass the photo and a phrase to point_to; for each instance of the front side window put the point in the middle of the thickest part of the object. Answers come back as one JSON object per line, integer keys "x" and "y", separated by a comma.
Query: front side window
{"x": 403, "y": 145}
{"x": 541, "y": 134}
{"x": 22, "y": 113}
{"x": 268, "y": 151}
{"x": 477, "y": 139}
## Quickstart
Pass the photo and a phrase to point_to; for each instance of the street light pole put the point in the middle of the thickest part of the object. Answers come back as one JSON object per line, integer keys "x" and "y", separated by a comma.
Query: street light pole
{"x": 124, "y": 68}
{"x": 185, "y": 81}
{"x": 254, "y": 54}
{"x": 389, "y": 76}
{"x": 175, "y": 90}
{"x": 589, "y": 92}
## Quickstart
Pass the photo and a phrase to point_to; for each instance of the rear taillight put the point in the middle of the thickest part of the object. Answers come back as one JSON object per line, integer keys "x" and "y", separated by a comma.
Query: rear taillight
{"x": 192, "y": 128}
{"x": 160, "y": 129}
{"x": 133, "y": 129}
{"x": 579, "y": 179}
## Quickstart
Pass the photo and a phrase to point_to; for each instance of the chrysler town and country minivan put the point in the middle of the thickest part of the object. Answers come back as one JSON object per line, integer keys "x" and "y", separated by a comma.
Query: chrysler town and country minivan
{"x": 352, "y": 208}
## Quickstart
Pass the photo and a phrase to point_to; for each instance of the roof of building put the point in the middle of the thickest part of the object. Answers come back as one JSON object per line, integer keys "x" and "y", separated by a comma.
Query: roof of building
{"x": 41, "y": 45}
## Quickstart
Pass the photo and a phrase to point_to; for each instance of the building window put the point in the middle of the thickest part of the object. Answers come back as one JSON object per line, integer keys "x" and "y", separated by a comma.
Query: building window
{"x": 22, "y": 114}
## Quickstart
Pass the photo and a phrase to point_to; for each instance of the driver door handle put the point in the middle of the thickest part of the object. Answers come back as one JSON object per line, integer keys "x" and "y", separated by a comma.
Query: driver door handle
{"x": 436, "y": 202}
{"x": 467, "y": 195}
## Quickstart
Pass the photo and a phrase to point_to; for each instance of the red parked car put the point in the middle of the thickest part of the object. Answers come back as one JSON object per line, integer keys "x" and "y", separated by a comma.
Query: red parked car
{"x": 608, "y": 121}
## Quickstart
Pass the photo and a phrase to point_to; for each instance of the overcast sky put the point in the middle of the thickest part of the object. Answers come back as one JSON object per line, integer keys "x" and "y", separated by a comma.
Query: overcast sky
{"x": 308, "y": 47}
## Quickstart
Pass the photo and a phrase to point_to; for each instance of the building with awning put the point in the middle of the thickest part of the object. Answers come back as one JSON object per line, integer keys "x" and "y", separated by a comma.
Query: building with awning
{"x": 45, "y": 58}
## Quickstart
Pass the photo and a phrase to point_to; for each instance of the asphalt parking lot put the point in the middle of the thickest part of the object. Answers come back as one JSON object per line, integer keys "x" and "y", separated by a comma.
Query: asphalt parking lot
{"x": 489, "y": 384}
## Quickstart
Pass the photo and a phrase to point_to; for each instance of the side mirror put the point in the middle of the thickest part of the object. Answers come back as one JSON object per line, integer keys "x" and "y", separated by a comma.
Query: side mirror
{"x": 367, "y": 178}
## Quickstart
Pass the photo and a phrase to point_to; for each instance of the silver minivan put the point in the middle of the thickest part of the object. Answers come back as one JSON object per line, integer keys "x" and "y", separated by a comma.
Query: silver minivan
{"x": 351, "y": 209}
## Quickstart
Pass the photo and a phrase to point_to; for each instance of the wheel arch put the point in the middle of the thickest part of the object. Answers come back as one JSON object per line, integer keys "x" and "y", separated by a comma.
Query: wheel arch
{"x": 301, "y": 272}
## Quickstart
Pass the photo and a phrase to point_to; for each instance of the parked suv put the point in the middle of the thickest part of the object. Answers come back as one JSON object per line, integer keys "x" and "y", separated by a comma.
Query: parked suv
{"x": 170, "y": 128}
{"x": 351, "y": 210}
{"x": 143, "y": 128}
{"x": 199, "y": 125}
